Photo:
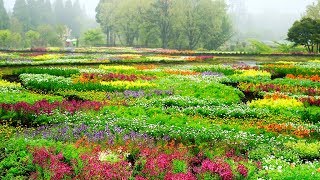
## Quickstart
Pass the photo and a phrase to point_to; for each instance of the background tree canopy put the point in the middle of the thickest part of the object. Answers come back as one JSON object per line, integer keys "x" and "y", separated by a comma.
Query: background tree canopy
{"x": 306, "y": 32}
{"x": 42, "y": 23}
{"x": 179, "y": 24}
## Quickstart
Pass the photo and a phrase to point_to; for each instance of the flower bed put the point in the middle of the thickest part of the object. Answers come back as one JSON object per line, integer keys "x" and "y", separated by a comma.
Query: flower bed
{"x": 146, "y": 121}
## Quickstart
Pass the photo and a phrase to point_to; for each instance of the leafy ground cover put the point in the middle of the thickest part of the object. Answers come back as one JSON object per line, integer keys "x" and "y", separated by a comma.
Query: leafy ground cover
{"x": 156, "y": 121}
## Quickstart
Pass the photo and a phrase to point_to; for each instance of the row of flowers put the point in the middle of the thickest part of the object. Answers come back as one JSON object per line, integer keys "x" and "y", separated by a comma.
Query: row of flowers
{"x": 91, "y": 77}
{"x": 265, "y": 87}
{"x": 315, "y": 78}
{"x": 23, "y": 111}
{"x": 4, "y": 83}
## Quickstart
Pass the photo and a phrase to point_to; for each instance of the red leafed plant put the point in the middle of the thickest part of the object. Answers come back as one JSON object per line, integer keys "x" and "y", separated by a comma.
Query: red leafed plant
{"x": 51, "y": 163}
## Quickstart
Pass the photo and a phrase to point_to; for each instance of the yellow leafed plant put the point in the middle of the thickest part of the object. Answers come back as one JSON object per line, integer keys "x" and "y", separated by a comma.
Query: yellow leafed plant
{"x": 276, "y": 103}
{"x": 254, "y": 73}
{"x": 117, "y": 67}
{"x": 4, "y": 83}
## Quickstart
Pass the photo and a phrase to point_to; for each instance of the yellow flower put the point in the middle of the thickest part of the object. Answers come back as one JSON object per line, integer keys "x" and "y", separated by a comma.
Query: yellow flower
{"x": 254, "y": 73}
{"x": 286, "y": 62}
{"x": 276, "y": 103}
{"x": 47, "y": 57}
{"x": 115, "y": 68}
{"x": 314, "y": 61}
{"x": 4, "y": 83}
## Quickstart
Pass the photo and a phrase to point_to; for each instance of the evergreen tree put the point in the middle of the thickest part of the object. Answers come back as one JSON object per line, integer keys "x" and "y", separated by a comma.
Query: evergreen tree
{"x": 21, "y": 13}
{"x": 4, "y": 18}
{"x": 48, "y": 12}
{"x": 59, "y": 11}
{"x": 34, "y": 13}
{"x": 80, "y": 16}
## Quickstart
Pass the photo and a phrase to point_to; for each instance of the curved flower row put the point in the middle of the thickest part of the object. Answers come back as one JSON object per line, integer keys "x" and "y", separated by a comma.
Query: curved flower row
{"x": 45, "y": 107}
{"x": 181, "y": 72}
{"x": 92, "y": 77}
{"x": 315, "y": 78}
{"x": 252, "y": 87}
{"x": 254, "y": 73}
{"x": 116, "y": 68}
{"x": 128, "y": 84}
{"x": 276, "y": 103}
{"x": 4, "y": 83}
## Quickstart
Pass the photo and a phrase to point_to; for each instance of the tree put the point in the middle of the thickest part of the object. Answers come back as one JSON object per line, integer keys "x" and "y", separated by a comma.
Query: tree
{"x": 180, "y": 24}
{"x": 16, "y": 40}
{"x": 32, "y": 38}
{"x": 4, "y": 18}
{"x": 129, "y": 19}
{"x": 105, "y": 17}
{"x": 59, "y": 10}
{"x": 218, "y": 25}
{"x": 21, "y": 13}
{"x": 161, "y": 15}
{"x": 48, "y": 36}
{"x": 5, "y": 37}
{"x": 313, "y": 10}
{"x": 16, "y": 25}
{"x": 93, "y": 37}
{"x": 306, "y": 32}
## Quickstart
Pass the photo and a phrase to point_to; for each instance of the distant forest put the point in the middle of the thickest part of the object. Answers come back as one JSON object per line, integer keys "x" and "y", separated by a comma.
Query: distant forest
{"x": 43, "y": 23}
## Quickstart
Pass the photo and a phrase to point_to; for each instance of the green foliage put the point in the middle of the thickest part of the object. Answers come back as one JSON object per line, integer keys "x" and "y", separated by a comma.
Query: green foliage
{"x": 179, "y": 166}
{"x": 4, "y": 18}
{"x": 306, "y": 32}
{"x": 313, "y": 10}
{"x": 280, "y": 71}
{"x": 32, "y": 37}
{"x": 65, "y": 72}
{"x": 226, "y": 70}
{"x": 93, "y": 37}
{"x": 170, "y": 24}
{"x": 11, "y": 97}
{"x": 83, "y": 95}
{"x": 260, "y": 47}
{"x": 308, "y": 151}
{"x": 288, "y": 48}
{"x": 5, "y": 36}
{"x": 311, "y": 114}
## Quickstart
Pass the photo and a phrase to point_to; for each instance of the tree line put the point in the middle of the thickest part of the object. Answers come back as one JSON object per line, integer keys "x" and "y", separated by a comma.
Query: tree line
{"x": 41, "y": 23}
{"x": 178, "y": 24}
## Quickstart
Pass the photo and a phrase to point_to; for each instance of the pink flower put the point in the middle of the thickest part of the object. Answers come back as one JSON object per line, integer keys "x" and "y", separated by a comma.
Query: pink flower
{"x": 243, "y": 170}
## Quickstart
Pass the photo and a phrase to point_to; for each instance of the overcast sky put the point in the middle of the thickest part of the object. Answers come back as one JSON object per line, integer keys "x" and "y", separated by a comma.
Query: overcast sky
{"x": 284, "y": 6}
{"x": 254, "y": 6}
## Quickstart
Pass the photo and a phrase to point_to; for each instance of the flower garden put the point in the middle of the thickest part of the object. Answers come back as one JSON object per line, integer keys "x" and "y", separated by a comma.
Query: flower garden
{"x": 157, "y": 116}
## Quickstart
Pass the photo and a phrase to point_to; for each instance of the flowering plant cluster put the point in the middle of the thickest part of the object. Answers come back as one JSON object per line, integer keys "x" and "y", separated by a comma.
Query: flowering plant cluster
{"x": 265, "y": 87}
{"x": 181, "y": 72}
{"x": 6, "y": 84}
{"x": 315, "y": 78}
{"x": 276, "y": 103}
{"x": 23, "y": 110}
{"x": 86, "y": 77}
{"x": 136, "y": 162}
{"x": 144, "y": 121}
{"x": 128, "y": 84}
